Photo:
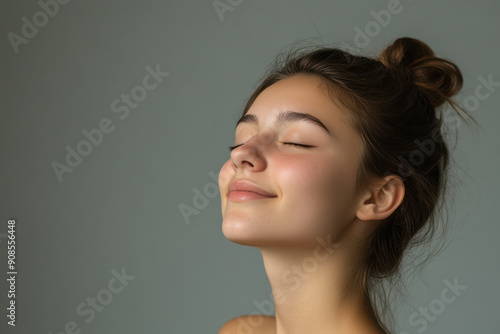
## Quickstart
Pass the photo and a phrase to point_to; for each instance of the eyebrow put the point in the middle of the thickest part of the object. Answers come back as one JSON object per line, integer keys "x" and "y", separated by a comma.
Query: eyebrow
{"x": 284, "y": 117}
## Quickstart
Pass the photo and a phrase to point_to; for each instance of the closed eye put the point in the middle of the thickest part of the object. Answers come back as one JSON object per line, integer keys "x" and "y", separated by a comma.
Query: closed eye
{"x": 292, "y": 144}
{"x": 295, "y": 144}
{"x": 233, "y": 147}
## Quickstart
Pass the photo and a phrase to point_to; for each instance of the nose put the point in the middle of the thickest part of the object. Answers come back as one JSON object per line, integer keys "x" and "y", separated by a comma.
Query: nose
{"x": 251, "y": 153}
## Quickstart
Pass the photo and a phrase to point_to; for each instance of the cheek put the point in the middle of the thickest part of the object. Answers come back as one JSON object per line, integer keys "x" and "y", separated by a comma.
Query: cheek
{"x": 225, "y": 174}
{"x": 316, "y": 194}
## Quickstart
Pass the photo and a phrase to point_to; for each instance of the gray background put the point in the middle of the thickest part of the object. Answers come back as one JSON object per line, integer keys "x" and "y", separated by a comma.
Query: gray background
{"x": 120, "y": 207}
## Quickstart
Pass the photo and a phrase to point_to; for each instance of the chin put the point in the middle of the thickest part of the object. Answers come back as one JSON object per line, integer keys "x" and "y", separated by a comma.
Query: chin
{"x": 247, "y": 233}
{"x": 240, "y": 232}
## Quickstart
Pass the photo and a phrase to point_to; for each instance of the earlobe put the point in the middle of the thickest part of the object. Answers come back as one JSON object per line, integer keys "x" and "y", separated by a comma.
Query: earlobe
{"x": 383, "y": 200}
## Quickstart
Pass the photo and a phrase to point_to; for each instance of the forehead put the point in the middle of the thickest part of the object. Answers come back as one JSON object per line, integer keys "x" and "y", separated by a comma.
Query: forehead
{"x": 301, "y": 93}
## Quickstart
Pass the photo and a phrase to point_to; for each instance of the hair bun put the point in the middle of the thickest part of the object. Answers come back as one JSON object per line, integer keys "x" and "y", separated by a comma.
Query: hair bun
{"x": 439, "y": 79}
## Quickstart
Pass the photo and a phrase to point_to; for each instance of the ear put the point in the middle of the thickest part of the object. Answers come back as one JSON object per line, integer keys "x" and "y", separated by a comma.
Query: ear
{"x": 381, "y": 201}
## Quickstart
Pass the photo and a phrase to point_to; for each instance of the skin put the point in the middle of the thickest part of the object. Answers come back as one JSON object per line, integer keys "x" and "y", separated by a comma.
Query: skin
{"x": 315, "y": 201}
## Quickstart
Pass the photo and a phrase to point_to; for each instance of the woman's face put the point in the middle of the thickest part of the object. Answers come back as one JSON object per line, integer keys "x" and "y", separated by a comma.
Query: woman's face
{"x": 313, "y": 186}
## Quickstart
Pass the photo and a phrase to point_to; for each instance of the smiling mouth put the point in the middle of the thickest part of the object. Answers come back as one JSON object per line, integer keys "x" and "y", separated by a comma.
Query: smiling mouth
{"x": 241, "y": 195}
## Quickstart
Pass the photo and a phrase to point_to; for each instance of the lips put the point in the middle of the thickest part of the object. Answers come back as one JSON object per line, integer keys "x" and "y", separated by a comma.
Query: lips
{"x": 247, "y": 186}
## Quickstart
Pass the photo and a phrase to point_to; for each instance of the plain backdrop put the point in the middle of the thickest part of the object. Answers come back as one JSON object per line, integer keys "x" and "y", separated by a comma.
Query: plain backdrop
{"x": 67, "y": 70}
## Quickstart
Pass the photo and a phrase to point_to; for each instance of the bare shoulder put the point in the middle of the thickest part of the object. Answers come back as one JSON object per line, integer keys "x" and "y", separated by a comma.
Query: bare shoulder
{"x": 258, "y": 324}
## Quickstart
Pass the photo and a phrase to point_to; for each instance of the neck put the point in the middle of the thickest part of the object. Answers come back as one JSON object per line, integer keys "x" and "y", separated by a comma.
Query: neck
{"x": 314, "y": 290}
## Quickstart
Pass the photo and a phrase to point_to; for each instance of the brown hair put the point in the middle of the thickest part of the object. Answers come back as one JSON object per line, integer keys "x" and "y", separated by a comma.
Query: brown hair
{"x": 394, "y": 103}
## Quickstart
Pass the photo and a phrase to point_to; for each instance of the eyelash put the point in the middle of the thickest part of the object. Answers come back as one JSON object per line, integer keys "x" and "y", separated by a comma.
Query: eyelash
{"x": 293, "y": 144}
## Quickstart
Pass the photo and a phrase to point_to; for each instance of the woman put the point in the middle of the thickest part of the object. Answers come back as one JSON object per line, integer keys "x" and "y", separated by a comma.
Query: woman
{"x": 339, "y": 165}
